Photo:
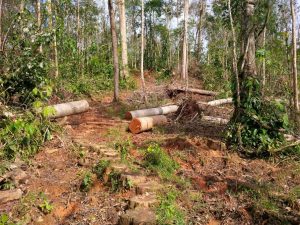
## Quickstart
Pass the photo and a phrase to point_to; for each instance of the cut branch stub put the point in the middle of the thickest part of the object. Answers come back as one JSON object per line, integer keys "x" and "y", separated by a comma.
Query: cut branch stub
{"x": 151, "y": 112}
{"x": 70, "y": 108}
{"x": 138, "y": 125}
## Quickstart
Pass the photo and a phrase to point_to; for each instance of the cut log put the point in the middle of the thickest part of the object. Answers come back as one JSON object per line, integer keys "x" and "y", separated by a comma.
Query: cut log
{"x": 193, "y": 90}
{"x": 216, "y": 120}
{"x": 151, "y": 112}
{"x": 142, "y": 124}
{"x": 70, "y": 108}
{"x": 220, "y": 102}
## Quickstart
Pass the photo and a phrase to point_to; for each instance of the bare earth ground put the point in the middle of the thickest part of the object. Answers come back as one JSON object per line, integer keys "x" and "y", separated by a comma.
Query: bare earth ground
{"x": 221, "y": 187}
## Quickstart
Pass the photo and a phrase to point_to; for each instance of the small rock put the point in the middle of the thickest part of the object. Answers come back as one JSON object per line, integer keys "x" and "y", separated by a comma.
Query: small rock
{"x": 138, "y": 216}
{"x": 10, "y": 195}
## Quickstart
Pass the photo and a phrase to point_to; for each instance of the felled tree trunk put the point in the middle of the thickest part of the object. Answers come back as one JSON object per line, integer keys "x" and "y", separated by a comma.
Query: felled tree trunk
{"x": 193, "y": 90}
{"x": 220, "y": 102}
{"x": 215, "y": 120}
{"x": 70, "y": 108}
{"x": 151, "y": 112}
{"x": 142, "y": 124}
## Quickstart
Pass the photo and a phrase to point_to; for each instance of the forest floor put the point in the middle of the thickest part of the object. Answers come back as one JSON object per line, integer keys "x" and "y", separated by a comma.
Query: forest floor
{"x": 214, "y": 185}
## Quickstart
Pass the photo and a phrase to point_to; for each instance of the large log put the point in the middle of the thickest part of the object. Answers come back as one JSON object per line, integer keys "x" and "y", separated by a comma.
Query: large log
{"x": 193, "y": 90}
{"x": 220, "y": 102}
{"x": 70, "y": 108}
{"x": 138, "y": 125}
{"x": 151, "y": 112}
{"x": 215, "y": 120}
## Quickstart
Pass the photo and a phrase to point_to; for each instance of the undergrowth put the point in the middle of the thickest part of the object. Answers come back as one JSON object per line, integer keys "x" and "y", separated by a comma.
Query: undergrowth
{"x": 158, "y": 160}
{"x": 168, "y": 212}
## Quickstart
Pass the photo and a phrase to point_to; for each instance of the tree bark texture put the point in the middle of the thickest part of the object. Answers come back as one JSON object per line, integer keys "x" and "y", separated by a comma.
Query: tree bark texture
{"x": 115, "y": 49}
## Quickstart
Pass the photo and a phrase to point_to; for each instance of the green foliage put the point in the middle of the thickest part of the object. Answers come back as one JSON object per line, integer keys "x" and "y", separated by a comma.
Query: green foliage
{"x": 24, "y": 69}
{"x": 100, "y": 168}
{"x": 168, "y": 212}
{"x": 117, "y": 183}
{"x": 4, "y": 220}
{"x": 123, "y": 148}
{"x": 87, "y": 182}
{"x": 46, "y": 207}
{"x": 158, "y": 160}
{"x": 255, "y": 127}
{"x": 23, "y": 136}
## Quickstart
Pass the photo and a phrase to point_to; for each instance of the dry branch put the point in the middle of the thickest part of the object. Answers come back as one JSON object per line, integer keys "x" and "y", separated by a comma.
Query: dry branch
{"x": 70, "y": 108}
{"x": 151, "y": 112}
{"x": 142, "y": 124}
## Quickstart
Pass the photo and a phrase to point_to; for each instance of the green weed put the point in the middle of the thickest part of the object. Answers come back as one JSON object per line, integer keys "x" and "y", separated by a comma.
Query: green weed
{"x": 4, "y": 220}
{"x": 86, "y": 182}
{"x": 158, "y": 160}
{"x": 123, "y": 148}
{"x": 168, "y": 212}
{"x": 100, "y": 168}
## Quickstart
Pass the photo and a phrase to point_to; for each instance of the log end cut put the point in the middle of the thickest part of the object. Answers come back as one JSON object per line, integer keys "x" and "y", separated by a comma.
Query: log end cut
{"x": 139, "y": 125}
{"x": 128, "y": 116}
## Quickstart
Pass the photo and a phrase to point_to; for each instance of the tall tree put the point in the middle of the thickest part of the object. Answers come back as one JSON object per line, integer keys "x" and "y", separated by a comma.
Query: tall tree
{"x": 184, "y": 68}
{"x": 1, "y": 24}
{"x": 294, "y": 62}
{"x": 123, "y": 30}
{"x": 39, "y": 19}
{"x": 51, "y": 15}
{"x": 142, "y": 51}
{"x": 114, "y": 49}
{"x": 234, "y": 59}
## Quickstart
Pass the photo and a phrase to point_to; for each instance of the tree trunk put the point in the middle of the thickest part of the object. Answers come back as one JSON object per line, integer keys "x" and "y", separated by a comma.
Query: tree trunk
{"x": 55, "y": 55}
{"x": 234, "y": 63}
{"x": 142, "y": 124}
{"x": 172, "y": 91}
{"x": 185, "y": 41}
{"x": 151, "y": 112}
{"x": 114, "y": 50}
{"x": 70, "y": 108}
{"x": 294, "y": 49}
{"x": 202, "y": 10}
{"x": 142, "y": 53}
{"x": 39, "y": 20}
{"x": 264, "y": 59}
{"x": 1, "y": 24}
{"x": 123, "y": 38}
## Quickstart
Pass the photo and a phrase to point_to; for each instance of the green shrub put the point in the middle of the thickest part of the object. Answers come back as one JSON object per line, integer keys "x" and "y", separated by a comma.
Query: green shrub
{"x": 23, "y": 136}
{"x": 168, "y": 212}
{"x": 100, "y": 168}
{"x": 158, "y": 160}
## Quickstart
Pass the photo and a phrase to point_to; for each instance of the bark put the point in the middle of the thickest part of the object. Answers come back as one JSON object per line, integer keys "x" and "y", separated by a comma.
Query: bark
{"x": 78, "y": 25}
{"x": 123, "y": 38}
{"x": 220, "y": 102}
{"x": 142, "y": 52}
{"x": 185, "y": 41}
{"x": 70, "y": 108}
{"x": 234, "y": 51}
{"x": 114, "y": 50}
{"x": 39, "y": 20}
{"x": 142, "y": 124}
{"x": 55, "y": 54}
{"x": 215, "y": 120}
{"x": 264, "y": 59}
{"x": 1, "y": 24}
{"x": 151, "y": 112}
{"x": 294, "y": 49}
{"x": 173, "y": 91}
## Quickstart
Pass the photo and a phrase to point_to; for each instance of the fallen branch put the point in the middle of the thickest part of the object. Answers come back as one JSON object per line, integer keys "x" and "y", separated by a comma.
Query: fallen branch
{"x": 70, "y": 108}
{"x": 142, "y": 124}
{"x": 151, "y": 112}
